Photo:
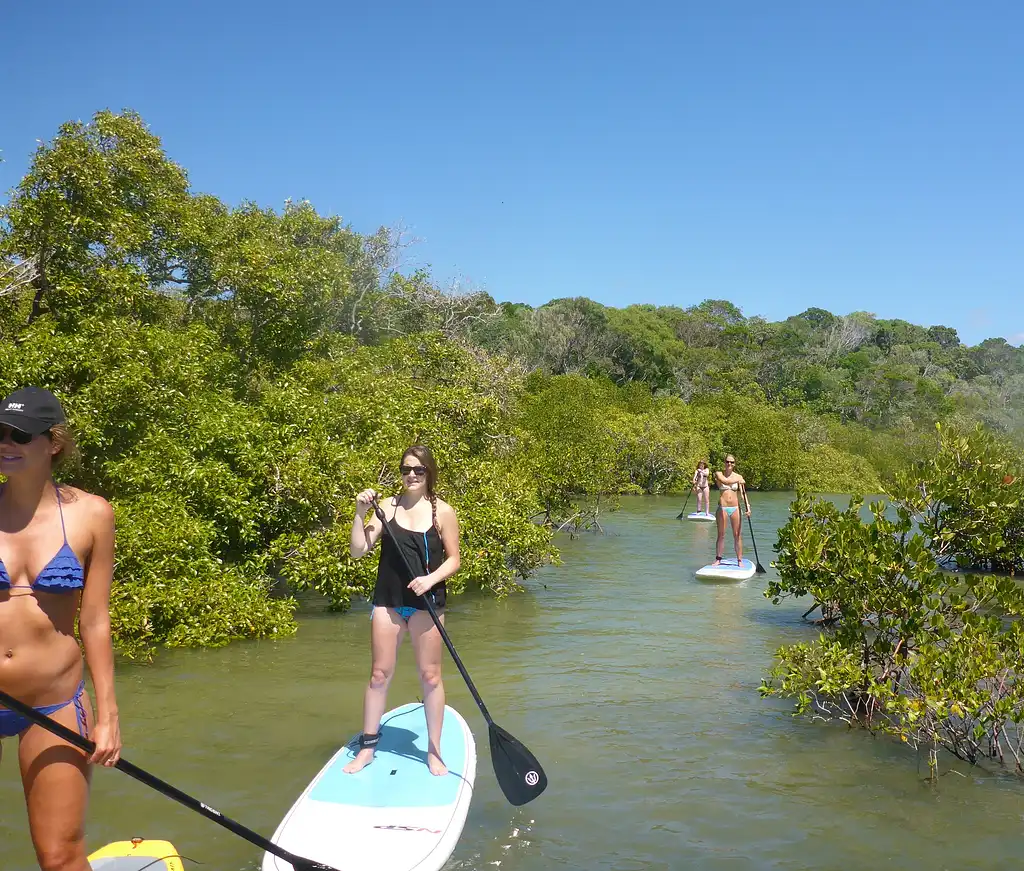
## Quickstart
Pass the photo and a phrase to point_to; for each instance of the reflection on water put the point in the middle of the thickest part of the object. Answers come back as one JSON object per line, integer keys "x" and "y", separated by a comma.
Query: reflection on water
{"x": 635, "y": 685}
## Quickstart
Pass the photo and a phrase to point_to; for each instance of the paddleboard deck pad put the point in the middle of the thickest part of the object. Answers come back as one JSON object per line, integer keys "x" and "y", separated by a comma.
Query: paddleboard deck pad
{"x": 393, "y": 815}
{"x": 728, "y": 570}
{"x": 135, "y": 855}
{"x": 700, "y": 516}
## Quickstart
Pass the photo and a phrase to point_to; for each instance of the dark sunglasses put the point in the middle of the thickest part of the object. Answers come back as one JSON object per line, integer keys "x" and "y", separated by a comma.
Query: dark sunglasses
{"x": 16, "y": 435}
{"x": 408, "y": 470}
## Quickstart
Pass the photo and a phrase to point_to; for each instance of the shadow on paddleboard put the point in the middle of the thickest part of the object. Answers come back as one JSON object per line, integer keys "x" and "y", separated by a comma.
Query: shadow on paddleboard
{"x": 401, "y": 742}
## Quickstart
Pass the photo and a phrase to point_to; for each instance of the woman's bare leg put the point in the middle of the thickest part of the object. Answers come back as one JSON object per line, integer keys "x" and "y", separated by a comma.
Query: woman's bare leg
{"x": 720, "y": 523}
{"x": 427, "y": 644}
{"x": 386, "y": 630}
{"x": 55, "y": 776}
{"x": 737, "y": 534}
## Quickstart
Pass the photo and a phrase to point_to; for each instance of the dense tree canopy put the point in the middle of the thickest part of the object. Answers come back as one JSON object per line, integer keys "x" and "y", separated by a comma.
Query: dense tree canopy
{"x": 857, "y": 368}
{"x": 236, "y": 374}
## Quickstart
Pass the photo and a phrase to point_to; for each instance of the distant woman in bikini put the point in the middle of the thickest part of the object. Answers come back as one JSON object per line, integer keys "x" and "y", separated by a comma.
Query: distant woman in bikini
{"x": 731, "y": 486}
{"x": 701, "y": 488}
{"x": 56, "y": 565}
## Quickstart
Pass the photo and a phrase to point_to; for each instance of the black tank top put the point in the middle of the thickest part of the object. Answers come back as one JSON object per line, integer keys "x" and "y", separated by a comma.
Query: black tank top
{"x": 424, "y": 552}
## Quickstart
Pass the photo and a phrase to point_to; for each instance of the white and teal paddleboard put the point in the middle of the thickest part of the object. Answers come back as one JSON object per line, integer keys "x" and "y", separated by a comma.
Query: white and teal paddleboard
{"x": 700, "y": 516}
{"x": 394, "y": 815}
{"x": 728, "y": 570}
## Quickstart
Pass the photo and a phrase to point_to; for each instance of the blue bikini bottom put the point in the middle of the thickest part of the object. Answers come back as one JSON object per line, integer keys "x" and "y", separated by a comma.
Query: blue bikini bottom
{"x": 12, "y": 723}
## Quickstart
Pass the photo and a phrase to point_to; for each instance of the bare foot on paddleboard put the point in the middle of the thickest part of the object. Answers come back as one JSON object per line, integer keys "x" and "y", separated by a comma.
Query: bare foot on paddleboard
{"x": 363, "y": 758}
{"x": 436, "y": 766}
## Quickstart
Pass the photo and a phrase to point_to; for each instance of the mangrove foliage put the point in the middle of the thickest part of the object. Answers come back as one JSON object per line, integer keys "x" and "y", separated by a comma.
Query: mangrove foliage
{"x": 915, "y": 642}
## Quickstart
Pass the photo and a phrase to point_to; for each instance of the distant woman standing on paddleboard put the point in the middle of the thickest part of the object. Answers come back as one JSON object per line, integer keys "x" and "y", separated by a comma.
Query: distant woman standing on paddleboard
{"x": 732, "y": 486}
{"x": 428, "y": 533}
{"x": 701, "y": 488}
{"x": 56, "y": 565}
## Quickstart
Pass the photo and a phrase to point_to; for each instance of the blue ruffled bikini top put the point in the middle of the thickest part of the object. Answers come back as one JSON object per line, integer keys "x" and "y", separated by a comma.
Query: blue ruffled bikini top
{"x": 62, "y": 574}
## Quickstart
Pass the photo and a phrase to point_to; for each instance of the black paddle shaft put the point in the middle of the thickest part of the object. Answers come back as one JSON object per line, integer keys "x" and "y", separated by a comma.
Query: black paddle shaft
{"x": 518, "y": 772}
{"x": 760, "y": 568}
{"x": 84, "y": 744}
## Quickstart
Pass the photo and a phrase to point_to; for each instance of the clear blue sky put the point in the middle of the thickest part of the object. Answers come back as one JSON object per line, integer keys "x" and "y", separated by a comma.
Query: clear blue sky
{"x": 854, "y": 156}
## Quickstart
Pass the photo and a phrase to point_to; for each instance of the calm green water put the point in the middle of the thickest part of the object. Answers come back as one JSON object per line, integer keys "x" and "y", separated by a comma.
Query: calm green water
{"x": 635, "y": 685}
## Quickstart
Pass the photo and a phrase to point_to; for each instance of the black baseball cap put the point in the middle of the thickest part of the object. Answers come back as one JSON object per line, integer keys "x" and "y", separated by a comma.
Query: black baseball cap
{"x": 32, "y": 410}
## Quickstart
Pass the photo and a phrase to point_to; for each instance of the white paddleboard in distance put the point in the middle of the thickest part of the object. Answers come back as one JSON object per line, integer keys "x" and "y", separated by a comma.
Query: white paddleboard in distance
{"x": 394, "y": 815}
{"x": 728, "y": 570}
{"x": 701, "y": 516}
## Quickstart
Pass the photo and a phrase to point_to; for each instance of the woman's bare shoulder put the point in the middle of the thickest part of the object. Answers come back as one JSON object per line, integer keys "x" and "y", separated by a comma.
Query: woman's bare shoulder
{"x": 89, "y": 504}
{"x": 92, "y": 511}
{"x": 444, "y": 510}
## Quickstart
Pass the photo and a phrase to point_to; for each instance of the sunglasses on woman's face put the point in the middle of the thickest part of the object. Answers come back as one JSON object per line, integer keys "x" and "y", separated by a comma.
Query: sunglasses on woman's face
{"x": 413, "y": 470}
{"x": 15, "y": 435}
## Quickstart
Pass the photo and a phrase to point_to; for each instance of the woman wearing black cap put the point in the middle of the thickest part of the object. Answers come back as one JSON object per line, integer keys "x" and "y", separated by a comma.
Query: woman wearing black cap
{"x": 56, "y": 565}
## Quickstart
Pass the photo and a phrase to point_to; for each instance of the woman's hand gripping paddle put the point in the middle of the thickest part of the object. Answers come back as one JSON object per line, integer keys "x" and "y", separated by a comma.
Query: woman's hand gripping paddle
{"x": 84, "y": 744}
{"x": 517, "y": 770}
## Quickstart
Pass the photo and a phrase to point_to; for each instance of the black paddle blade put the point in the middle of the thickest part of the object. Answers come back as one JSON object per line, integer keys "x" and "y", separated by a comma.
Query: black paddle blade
{"x": 761, "y": 570}
{"x": 519, "y": 774}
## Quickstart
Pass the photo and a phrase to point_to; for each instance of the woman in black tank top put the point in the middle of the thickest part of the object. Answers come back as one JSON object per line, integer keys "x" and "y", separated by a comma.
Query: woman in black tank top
{"x": 424, "y": 551}
{"x": 426, "y": 531}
